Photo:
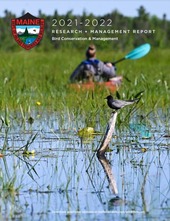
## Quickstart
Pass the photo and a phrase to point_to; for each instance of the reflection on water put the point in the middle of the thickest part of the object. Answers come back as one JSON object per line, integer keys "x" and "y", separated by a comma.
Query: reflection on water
{"x": 54, "y": 183}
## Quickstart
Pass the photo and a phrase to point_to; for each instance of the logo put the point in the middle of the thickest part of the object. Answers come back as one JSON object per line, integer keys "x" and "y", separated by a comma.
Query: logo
{"x": 27, "y": 30}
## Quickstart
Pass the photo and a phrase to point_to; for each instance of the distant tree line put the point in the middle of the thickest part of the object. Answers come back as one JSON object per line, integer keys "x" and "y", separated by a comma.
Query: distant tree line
{"x": 157, "y": 31}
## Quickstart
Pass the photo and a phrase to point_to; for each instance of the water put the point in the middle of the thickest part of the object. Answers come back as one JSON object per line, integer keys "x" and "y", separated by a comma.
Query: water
{"x": 30, "y": 40}
{"x": 64, "y": 179}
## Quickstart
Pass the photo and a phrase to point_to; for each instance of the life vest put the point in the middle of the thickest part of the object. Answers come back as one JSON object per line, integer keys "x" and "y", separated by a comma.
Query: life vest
{"x": 92, "y": 70}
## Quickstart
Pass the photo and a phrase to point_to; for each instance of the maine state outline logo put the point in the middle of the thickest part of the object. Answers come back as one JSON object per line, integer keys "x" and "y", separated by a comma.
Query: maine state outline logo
{"x": 27, "y": 30}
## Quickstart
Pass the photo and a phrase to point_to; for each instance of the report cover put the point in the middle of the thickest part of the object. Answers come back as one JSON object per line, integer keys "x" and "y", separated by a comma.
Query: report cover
{"x": 84, "y": 111}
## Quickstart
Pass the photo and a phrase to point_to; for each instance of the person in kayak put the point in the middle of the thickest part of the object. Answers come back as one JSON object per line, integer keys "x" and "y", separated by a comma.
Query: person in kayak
{"x": 92, "y": 69}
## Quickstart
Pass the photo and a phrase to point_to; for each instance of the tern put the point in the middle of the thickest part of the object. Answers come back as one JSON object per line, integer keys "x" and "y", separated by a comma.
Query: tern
{"x": 118, "y": 104}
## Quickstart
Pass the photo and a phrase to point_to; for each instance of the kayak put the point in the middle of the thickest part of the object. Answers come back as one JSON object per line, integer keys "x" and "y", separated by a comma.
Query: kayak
{"x": 113, "y": 84}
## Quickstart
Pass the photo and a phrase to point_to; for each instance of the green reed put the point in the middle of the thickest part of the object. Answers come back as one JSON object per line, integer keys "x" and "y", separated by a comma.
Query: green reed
{"x": 41, "y": 81}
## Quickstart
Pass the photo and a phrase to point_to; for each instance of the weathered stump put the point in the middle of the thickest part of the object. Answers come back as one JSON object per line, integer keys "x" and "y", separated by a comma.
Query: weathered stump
{"x": 108, "y": 135}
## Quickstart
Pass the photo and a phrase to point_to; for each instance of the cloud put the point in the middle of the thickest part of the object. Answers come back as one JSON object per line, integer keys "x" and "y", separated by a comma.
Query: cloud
{"x": 32, "y": 30}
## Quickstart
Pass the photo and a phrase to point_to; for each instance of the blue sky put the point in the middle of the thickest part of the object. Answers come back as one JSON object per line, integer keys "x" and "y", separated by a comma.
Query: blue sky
{"x": 98, "y": 7}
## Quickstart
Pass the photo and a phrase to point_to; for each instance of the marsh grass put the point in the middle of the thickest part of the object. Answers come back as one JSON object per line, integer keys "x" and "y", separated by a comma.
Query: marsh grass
{"x": 30, "y": 77}
{"x": 33, "y": 83}
{"x": 8, "y": 180}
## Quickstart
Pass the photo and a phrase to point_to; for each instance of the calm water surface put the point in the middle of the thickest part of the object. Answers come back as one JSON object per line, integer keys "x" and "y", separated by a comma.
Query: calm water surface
{"x": 64, "y": 179}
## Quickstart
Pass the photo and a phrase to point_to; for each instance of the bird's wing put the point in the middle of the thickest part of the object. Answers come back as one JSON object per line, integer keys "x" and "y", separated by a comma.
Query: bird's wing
{"x": 118, "y": 103}
{"x": 122, "y": 103}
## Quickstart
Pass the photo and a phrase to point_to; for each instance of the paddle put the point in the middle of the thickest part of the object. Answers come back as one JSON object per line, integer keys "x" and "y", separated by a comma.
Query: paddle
{"x": 136, "y": 53}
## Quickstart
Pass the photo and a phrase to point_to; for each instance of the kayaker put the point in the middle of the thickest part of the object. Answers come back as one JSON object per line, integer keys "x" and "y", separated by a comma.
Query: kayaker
{"x": 92, "y": 69}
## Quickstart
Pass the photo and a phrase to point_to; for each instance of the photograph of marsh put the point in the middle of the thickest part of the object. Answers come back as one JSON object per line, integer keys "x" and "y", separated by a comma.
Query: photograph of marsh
{"x": 64, "y": 153}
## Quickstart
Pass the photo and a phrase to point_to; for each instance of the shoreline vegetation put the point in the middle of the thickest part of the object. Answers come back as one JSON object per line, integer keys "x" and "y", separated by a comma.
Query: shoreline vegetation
{"x": 30, "y": 77}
